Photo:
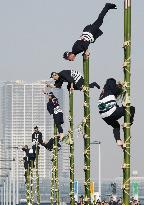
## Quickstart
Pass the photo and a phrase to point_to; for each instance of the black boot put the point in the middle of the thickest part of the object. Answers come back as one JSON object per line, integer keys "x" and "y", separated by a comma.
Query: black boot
{"x": 132, "y": 109}
{"x": 49, "y": 144}
{"x": 111, "y": 6}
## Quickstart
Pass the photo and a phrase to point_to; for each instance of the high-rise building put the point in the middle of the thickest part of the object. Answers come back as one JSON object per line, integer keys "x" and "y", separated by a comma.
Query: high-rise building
{"x": 23, "y": 106}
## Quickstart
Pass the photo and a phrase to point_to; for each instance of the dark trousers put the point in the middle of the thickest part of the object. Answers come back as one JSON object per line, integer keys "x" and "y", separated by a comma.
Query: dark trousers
{"x": 100, "y": 19}
{"x": 59, "y": 127}
{"x": 80, "y": 83}
{"x": 50, "y": 143}
{"x": 94, "y": 28}
{"x": 58, "y": 120}
{"x": 113, "y": 120}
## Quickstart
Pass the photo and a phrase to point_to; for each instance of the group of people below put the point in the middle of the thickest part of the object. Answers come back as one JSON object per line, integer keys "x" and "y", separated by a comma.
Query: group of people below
{"x": 111, "y": 201}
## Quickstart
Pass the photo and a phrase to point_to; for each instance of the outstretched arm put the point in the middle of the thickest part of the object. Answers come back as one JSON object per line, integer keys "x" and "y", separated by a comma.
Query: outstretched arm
{"x": 51, "y": 85}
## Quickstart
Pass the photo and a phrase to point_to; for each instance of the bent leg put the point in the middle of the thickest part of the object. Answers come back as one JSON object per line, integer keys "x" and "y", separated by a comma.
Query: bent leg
{"x": 119, "y": 112}
{"x": 116, "y": 127}
{"x": 60, "y": 129}
{"x": 132, "y": 110}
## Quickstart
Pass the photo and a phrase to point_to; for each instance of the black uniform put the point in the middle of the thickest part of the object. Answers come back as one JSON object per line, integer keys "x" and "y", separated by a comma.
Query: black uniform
{"x": 54, "y": 109}
{"x": 29, "y": 156}
{"x": 50, "y": 144}
{"x": 37, "y": 137}
{"x": 91, "y": 32}
{"x": 72, "y": 76}
{"x": 108, "y": 108}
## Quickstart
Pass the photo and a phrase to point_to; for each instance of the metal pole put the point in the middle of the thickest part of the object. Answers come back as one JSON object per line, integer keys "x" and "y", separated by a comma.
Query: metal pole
{"x": 7, "y": 188}
{"x": 4, "y": 194}
{"x": 13, "y": 182}
{"x": 17, "y": 178}
{"x": 100, "y": 170}
{"x": 10, "y": 187}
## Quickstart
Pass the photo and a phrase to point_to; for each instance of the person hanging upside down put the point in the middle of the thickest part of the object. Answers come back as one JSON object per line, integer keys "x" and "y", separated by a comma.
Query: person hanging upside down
{"x": 74, "y": 79}
{"x": 54, "y": 109}
{"x": 90, "y": 34}
{"x": 109, "y": 109}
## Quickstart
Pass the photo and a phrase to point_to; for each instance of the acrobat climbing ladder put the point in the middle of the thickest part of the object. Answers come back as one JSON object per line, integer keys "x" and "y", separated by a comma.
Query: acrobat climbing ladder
{"x": 37, "y": 176}
{"x": 86, "y": 128}
{"x": 55, "y": 180}
{"x": 28, "y": 191}
{"x": 32, "y": 182}
{"x": 72, "y": 201}
{"x": 127, "y": 125}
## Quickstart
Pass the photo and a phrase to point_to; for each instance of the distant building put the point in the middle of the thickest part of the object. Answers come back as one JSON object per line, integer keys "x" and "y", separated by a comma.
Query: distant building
{"x": 23, "y": 106}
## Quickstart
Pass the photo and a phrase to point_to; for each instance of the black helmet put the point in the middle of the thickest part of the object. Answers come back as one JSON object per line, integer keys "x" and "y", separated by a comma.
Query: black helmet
{"x": 50, "y": 94}
{"x": 65, "y": 55}
{"x": 36, "y": 127}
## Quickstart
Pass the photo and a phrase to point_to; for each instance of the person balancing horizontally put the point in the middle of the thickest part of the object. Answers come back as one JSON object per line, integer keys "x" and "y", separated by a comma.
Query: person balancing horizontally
{"x": 72, "y": 77}
{"x": 90, "y": 34}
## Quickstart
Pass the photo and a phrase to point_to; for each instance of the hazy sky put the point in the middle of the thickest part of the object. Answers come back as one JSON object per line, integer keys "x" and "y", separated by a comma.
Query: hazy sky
{"x": 35, "y": 33}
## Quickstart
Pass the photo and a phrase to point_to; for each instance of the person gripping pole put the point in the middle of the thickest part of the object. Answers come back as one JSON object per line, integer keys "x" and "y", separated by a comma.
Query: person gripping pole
{"x": 74, "y": 79}
{"x": 89, "y": 35}
{"x": 109, "y": 110}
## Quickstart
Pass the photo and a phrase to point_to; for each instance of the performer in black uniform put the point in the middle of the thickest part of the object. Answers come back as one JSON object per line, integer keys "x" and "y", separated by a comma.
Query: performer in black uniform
{"x": 74, "y": 79}
{"x": 89, "y": 35}
{"x": 109, "y": 109}
{"x": 38, "y": 138}
{"x": 37, "y": 135}
{"x": 30, "y": 155}
{"x": 54, "y": 109}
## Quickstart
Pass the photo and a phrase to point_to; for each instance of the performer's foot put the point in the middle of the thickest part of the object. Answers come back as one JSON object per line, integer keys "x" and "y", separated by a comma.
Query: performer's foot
{"x": 111, "y": 6}
{"x": 94, "y": 84}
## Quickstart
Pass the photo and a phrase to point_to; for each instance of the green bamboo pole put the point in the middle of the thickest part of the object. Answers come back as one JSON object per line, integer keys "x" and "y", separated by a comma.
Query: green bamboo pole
{"x": 71, "y": 149}
{"x": 32, "y": 182}
{"x": 127, "y": 66}
{"x": 28, "y": 191}
{"x": 52, "y": 181}
{"x": 56, "y": 165}
{"x": 86, "y": 128}
{"x": 37, "y": 176}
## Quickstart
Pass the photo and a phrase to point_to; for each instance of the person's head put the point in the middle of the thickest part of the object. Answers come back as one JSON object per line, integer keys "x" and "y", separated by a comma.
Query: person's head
{"x": 103, "y": 202}
{"x": 51, "y": 95}
{"x": 55, "y": 75}
{"x": 25, "y": 147}
{"x": 36, "y": 128}
{"x": 69, "y": 56}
